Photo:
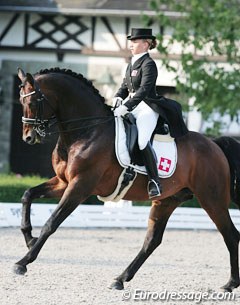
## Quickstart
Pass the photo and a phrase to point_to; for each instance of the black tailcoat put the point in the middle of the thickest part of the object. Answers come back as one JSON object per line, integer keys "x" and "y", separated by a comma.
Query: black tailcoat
{"x": 140, "y": 78}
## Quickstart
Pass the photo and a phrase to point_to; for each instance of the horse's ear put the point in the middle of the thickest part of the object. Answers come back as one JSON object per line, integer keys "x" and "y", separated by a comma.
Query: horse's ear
{"x": 21, "y": 74}
{"x": 30, "y": 79}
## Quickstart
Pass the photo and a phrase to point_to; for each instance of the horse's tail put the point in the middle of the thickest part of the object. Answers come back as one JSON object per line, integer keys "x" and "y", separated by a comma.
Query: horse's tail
{"x": 231, "y": 149}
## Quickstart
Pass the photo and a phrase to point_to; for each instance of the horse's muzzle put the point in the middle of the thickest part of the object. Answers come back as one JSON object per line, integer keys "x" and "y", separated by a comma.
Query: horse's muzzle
{"x": 31, "y": 137}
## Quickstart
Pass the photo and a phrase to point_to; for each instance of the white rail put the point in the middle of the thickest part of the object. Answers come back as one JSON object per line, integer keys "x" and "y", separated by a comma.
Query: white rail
{"x": 87, "y": 216}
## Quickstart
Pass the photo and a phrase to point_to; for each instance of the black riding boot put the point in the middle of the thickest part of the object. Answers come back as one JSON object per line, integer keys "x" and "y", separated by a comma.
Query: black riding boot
{"x": 154, "y": 186}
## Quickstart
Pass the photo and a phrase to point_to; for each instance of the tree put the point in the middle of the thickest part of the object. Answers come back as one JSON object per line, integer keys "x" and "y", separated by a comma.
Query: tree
{"x": 207, "y": 33}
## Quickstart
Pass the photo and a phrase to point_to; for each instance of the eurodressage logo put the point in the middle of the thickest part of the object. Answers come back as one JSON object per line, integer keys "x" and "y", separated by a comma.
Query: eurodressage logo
{"x": 197, "y": 297}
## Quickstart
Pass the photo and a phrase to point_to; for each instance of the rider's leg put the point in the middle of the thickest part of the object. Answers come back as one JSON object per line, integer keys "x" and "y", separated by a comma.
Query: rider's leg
{"x": 146, "y": 121}
{"x": 154, "y": 186}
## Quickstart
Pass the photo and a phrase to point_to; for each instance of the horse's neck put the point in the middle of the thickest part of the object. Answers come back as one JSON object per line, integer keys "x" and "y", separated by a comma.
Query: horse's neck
{"x": 74, "y": 98}
{"x": 72, "y": 109}
{"x": 83, "y": 119}
{"x": 75, "y": 102}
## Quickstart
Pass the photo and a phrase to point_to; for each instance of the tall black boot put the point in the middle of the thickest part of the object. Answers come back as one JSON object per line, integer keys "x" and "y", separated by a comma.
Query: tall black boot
{"x": 154, "y": 186}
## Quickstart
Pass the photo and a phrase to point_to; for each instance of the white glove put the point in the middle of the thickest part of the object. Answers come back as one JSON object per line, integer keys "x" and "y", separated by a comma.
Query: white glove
{"x": 121, "y": 111}
{"x": 117, "y": 101}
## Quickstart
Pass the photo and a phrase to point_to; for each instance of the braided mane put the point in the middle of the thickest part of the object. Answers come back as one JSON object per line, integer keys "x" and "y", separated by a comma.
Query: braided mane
{"x": 73, "y": 74}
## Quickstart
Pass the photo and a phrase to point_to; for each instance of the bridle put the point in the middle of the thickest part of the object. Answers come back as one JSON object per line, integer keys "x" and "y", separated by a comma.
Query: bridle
{"x": 39, "y": 124}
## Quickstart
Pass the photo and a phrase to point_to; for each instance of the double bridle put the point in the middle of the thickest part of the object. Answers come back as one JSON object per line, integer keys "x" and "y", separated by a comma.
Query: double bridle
{"x": 40, "y": 125}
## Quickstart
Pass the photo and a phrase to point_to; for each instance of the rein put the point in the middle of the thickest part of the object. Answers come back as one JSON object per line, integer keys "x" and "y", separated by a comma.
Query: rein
{"x": 104, "y": 119}
{"x": 40, "y": 125}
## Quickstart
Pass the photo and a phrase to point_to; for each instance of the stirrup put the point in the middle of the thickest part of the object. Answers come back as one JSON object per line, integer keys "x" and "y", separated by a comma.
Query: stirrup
{"x": 154, "y": 189}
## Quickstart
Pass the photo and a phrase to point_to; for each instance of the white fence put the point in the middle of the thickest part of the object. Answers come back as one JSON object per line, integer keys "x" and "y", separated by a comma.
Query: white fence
{"x": 87, "y": 216}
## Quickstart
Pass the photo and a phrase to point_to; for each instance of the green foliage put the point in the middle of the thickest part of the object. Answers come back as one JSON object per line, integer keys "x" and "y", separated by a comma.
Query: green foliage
{"x": 193, "y": 203}
{"x": 207, "y": 33}
{"x": 13, "y": 186}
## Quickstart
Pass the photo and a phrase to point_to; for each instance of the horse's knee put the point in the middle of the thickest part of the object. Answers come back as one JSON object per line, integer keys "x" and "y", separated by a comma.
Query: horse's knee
{"x": 26, "y": 197}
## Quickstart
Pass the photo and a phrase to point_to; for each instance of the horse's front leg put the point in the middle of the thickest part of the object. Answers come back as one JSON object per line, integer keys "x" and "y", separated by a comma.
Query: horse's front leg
{"x": 53, "y": 188}
{"x": 159, "y": 215}
{"x": 74, "y": 194}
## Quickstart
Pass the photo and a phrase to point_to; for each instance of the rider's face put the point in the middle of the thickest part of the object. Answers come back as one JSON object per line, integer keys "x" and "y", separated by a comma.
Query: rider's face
{"x": 138, "y": 46}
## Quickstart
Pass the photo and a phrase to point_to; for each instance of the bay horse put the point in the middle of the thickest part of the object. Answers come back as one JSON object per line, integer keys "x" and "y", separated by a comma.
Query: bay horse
{"x": 85, "y": 164}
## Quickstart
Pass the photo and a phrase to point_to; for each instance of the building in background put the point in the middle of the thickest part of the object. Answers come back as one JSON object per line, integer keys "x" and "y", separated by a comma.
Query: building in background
{"x": 86, "y": 36}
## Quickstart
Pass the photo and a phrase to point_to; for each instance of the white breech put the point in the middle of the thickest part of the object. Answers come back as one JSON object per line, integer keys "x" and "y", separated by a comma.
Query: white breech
{"x": 146, "y": 121}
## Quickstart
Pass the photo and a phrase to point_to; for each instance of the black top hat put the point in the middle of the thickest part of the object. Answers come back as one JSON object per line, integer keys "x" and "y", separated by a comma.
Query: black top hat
{"x": 141, "y": 33}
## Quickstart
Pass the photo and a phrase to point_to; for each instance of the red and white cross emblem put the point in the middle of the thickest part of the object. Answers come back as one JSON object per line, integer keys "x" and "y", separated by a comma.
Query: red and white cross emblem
{"x": 164, "y": 164}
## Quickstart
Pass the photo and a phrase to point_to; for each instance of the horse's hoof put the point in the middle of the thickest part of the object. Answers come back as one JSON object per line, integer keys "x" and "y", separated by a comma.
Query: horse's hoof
{"x": 32, "y": 243}
{"x": 118, "y": 285}
{"x": 230, "y": 286}
{"x": 226, "y": 289}
{"x": 19, "y": 269}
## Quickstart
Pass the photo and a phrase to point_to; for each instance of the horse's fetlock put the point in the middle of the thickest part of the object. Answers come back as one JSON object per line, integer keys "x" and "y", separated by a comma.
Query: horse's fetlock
{"x": 26, "y": 229}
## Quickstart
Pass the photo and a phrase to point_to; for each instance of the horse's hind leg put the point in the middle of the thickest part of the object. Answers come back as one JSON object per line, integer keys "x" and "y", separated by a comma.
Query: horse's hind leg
{"x": 159, "y": 215}
{"x": 50, "y": 189}
{"x": 231, "y": 237}
{"x": 232, "y": 241}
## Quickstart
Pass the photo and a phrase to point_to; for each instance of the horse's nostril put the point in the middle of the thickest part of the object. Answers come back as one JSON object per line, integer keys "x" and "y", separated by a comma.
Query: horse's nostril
{"x": 28, "y": 139}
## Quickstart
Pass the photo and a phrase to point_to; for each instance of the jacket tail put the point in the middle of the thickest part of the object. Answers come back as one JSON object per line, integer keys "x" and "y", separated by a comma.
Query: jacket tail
{"x": 231, "y": 149}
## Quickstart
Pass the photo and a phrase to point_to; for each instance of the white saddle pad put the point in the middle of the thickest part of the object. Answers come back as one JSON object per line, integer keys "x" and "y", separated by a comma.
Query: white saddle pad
{"x": 163, "y": 145}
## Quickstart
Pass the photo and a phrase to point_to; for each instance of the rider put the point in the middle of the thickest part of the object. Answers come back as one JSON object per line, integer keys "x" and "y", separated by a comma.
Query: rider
{"x": 138, "y": 95}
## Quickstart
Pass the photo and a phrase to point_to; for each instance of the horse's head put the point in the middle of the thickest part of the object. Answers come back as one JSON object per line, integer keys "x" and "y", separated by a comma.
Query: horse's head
{"x": 35, "y": 115}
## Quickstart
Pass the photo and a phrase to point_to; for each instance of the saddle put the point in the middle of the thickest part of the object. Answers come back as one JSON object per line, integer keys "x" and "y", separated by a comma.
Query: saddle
{"x": 129, "y": 156}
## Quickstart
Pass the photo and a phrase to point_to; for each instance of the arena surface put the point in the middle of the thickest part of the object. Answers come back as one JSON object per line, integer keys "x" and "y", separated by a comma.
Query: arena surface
{"x": 76, "y": 267}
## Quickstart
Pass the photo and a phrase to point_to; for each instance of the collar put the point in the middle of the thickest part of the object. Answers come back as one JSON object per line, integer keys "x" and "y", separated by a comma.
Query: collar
{"x": 136, "y": 57}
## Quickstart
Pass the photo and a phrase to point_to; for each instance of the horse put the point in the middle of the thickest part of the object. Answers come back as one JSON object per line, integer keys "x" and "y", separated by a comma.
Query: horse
{"x": 85, "y": 164}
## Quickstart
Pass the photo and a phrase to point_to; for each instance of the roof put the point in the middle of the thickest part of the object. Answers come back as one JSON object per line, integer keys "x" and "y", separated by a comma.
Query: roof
{"x": 79, "y": 7}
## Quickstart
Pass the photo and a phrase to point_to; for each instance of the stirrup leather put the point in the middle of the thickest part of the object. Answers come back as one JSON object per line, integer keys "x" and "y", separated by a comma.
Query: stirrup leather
{"x": 153, "y": 189}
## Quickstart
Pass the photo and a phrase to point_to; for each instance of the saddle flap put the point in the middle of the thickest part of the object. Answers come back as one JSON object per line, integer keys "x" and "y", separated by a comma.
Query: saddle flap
{"x": 163, "y": 145}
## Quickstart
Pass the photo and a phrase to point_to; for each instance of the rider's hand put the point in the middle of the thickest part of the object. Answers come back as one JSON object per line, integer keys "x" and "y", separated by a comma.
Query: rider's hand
{"x": 117, "y": 101}
{"x": 121, "y": 110}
